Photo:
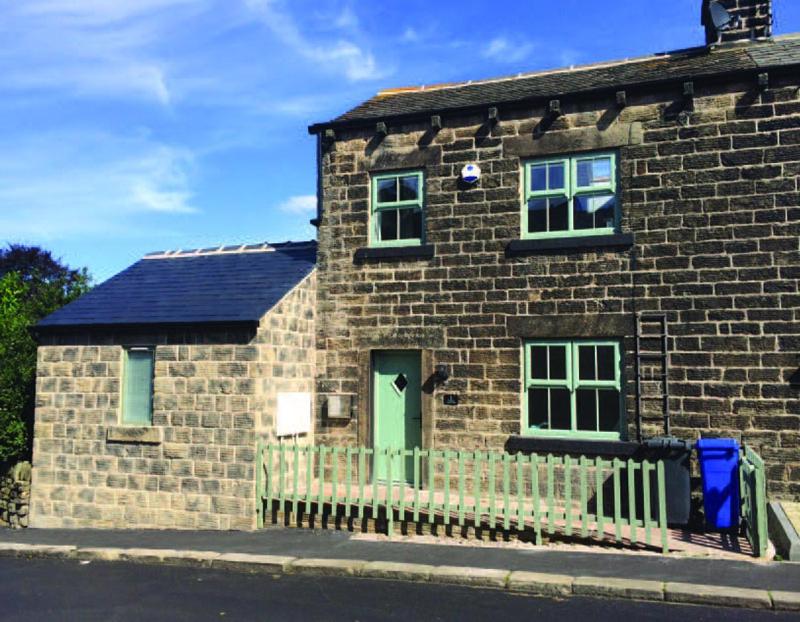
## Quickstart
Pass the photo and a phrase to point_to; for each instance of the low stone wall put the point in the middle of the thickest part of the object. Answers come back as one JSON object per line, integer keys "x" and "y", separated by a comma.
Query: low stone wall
{"x": 15, "y": 492}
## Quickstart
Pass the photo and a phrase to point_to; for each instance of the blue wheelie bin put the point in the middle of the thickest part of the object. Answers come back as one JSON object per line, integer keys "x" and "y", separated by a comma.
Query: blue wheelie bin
{"x": 719, "y": 468}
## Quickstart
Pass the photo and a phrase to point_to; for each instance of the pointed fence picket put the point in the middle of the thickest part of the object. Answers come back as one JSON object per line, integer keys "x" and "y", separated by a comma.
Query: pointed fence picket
{"x": 618, "y": 500}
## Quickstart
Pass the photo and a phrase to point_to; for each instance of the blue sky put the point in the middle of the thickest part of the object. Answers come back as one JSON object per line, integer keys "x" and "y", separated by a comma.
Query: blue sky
{"x": 128, "y": 126}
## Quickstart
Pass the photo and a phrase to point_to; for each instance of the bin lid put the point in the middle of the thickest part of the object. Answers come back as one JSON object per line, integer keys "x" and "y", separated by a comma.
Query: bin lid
{"x": 717, "y": 443}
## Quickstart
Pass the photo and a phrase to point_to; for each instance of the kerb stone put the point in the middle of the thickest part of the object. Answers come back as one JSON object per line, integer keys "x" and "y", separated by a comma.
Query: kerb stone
{"x": 717, "y": 595}
{"x": 397, "y": 571}
{"x": 253, "y": 563}
{"x": 540, "y": 584}
{"x": 786, "y": 601}
{"x": 618, "y": 588}
{"x": 481, "y": 577}
{"x": 327, "y": 567}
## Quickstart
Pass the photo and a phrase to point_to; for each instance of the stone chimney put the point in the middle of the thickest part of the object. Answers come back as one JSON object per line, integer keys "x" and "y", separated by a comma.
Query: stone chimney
{"x": 755, "y": 17}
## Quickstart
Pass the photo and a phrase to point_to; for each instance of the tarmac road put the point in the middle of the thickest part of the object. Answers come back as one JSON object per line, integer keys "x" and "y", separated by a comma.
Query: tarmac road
{"x": 51, "y": 589}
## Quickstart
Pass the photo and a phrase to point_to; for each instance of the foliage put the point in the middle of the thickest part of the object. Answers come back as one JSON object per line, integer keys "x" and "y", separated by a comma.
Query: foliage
{"x": 32, "y": 285}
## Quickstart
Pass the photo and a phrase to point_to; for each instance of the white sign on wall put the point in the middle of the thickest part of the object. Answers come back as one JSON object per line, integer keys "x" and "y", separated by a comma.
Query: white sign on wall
{"x": 294, "y": 414}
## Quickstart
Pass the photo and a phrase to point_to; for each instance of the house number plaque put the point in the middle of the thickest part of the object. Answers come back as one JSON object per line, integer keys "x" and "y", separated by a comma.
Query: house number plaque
{"x": 450, "y": 399}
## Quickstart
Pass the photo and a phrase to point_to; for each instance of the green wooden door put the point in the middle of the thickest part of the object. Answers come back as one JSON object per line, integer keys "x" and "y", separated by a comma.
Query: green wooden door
{"x": 397, "y": 409}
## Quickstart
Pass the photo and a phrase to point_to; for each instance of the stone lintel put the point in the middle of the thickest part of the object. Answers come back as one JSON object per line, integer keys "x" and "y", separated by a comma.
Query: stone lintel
{"x": 571, "y": 326}
{"x": 570, "y": 141}
{"x": 388, "y": 158}
{"x": 399, "y": 338}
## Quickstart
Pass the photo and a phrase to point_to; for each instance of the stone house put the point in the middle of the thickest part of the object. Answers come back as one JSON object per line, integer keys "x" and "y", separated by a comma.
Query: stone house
{"x": 569, "y": 261}
{"x": 154, "y": 388}
{"x": 655, "y": 196}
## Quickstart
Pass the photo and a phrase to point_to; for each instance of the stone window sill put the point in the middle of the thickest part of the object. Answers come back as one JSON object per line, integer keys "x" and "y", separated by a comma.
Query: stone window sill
{"x": 424, "y": 251}
{"x": 571, "y": 446}
{"x": 621, "y": 241}
{"x": 133, "y": 434}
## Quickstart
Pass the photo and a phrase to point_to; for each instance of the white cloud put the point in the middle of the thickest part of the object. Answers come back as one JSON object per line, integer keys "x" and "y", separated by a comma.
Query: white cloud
{"x": 346, "y": 19}
{"x": 89, "y": 48}
{"x": 61, "y": 185}
{"x": 568, "y": 57}
{"x": 96, "y": 12}
{"x": 300, "y": 204}
{"x": 410, "y": 35}
{"x": 342, "y": 55}
{"x": 505, "y": 50}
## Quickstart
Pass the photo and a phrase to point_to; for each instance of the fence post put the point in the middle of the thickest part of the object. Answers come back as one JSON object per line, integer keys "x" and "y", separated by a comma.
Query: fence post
{"x": 447, "y": 487}
{"x": 295, "y": 480}
{"x": 584, "y": 498}
{"x": 461, "y": 488}
{"x": 761, "y": 508}
{"x": 662, "y": 506}
{"x": 259, "y": 484}
{"x": 617, "y": 500}
{"x": 537, "y": 512}
{"x": 551, "y": 514}
{"x": 631, "y": 468}
{"x": 520, "y": 494}
{"x": 281, "y": 479}
{"x": 567, "y": 495}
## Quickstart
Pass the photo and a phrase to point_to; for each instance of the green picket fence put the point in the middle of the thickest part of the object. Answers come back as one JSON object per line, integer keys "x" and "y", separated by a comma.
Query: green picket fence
{"x": 618, "y": 500}
{"x": 753, "y": 488}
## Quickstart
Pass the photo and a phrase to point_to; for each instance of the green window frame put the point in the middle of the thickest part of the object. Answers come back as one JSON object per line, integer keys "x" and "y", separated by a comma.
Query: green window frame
{"x": 563, "y": 205}
{"x": 137, "y": 386}
{"x": 394, "y": 220}
{"x": 573, "y": 389}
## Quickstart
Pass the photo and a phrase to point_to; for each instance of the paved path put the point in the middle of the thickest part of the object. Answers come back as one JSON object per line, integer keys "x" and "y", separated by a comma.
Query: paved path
{"x": 342, "y": 545}
{"x": 44, "y": 589}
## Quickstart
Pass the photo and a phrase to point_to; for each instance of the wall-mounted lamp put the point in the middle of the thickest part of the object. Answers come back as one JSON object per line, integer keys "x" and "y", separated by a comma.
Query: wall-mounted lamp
{"x": 440, "y": 374}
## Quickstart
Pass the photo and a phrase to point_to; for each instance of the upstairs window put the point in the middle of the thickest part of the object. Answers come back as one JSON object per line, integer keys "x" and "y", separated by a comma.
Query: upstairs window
{"x": 571, "y": 196}
{"x": 137, "y": 386}
{"x": 573, "y": 388}
{"x": 397, "y": 214}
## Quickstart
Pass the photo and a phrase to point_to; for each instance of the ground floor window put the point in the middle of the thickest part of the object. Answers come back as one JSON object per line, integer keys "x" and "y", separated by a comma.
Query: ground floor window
{"x": 573, "y": 388}
{"x": 137, "y": 386}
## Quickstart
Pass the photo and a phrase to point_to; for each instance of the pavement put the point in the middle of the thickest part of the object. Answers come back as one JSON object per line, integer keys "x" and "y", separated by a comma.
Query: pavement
{"x": 537, "y": 571}
{"x": 66, "y": 589}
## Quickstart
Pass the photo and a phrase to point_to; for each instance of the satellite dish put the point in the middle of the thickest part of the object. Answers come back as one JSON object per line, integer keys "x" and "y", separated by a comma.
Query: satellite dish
{"x": 721, "y": 17}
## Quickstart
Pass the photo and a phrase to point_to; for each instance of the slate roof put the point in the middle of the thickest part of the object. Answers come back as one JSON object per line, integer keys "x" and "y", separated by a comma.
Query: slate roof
{"x": 230, "y": 285}
{"x": 691, "y": 64}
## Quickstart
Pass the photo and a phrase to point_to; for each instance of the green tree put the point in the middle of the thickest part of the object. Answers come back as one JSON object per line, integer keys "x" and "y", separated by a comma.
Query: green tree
{"x": 32, "y": 285}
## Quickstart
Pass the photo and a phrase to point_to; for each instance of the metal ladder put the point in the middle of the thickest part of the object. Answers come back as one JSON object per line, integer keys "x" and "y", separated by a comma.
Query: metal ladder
{"x": 662, "y": 356}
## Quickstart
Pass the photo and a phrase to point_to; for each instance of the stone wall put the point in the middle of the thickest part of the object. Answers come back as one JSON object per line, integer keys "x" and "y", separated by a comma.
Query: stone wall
{"x": 194, "y": 468}
{"x": 709, "y": 189}
{"x": 15, "y": 490}
{"x": 287, "y": 340}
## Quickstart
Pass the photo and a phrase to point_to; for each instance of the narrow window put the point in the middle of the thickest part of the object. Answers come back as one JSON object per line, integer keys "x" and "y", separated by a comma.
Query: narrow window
{"x": 397, "y": 211}
{"x": 573, "y": 388}
{"x": 137, "y": 386}
{"x": 570, "y": 196}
